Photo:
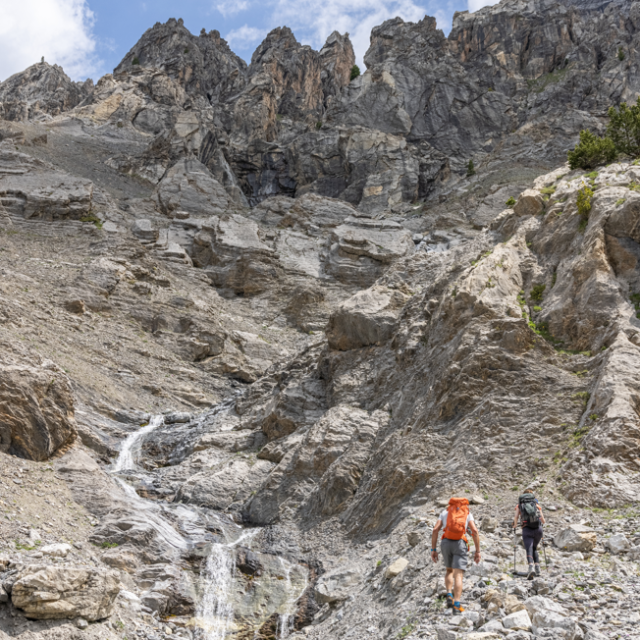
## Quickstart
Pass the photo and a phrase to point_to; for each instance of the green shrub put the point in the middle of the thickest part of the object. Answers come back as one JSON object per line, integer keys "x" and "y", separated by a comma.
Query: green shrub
{"x": 355, "y": 72}
{"x": 471, "y": 170}
{"x": 510, "y": 202}
{"x": 319, "y": 124}
{"x": 592, "y": 151}
{"x": 624, "y": 128}
{"x": 620, "y": 54}
{"x": 537, "y": 292}
{"x": 135, "y": 60}
{"x": 585, "y": 196}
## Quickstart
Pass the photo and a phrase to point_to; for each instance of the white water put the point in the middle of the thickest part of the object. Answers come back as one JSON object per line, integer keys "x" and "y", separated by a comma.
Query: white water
{"x": 286, "y": 620}
{"x": 131, "y": 447}
{"x": 215, "y": 611}
{"x": 128, "y": 460}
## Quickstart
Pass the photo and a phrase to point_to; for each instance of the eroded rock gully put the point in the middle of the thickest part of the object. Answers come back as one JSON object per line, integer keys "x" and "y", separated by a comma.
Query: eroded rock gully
{"x": 256, "y": 325}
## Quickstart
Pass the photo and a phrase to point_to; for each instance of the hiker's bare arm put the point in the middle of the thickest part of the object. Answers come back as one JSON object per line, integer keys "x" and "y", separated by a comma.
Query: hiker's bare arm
{"x": 476, "y": 540}
{"x": 541, "y": 515}
{"x": 434, "y": 540}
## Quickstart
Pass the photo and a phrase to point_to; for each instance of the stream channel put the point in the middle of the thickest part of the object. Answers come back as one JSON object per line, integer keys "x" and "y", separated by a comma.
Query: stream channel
{"x": 258, "y": 601}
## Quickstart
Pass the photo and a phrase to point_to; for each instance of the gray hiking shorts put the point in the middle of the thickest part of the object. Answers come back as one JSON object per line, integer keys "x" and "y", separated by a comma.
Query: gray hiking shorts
{"x": 454, "y": 554}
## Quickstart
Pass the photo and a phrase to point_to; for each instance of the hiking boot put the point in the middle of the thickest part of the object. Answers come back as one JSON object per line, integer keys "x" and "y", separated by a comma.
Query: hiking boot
{"x": 449, "y": 600}
{"x": 530, "y": 572}
{"x": 537, "y": 569}
{"x": 457, "y": 607}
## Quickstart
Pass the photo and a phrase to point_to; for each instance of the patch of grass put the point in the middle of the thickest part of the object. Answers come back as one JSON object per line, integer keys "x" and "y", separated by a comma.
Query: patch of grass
{"x": 578, "y": 435}
{"x": 635, "y": 300}
{"x": 621, "y": 54}
{"x": 92, "y": 218}
{"x": 406, "y": 630}
{"x": 593, "y": 416}
{"x": 537, "y": 292}
{"x": 540, "y": 84}
{"x": 109, "y": 545}
{"x": 548, "y": 191}
{"x": 537, "y": 309}
{"x": 592, "y": 176}
{"x": 319, "y": 124}
{"x": 510, "y": 202}
{"x": 620, "y": 201}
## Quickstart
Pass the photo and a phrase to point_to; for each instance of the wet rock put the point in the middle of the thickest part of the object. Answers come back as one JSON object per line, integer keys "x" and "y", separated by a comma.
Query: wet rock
{"x": 65, "y": 591}
{"x": 248, "y": 562}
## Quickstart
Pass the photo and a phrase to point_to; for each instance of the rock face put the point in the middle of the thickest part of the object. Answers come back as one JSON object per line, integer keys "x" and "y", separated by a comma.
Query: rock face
{"x": 36, "y": 410}
{"x": 292, "y": 122}
{"x": 57, "y": 592}
{"x": 39, "y": 92}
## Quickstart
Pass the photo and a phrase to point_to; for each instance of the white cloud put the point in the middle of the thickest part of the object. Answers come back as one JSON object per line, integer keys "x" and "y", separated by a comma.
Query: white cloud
{"x": 232, "y": 7}
{"x": 59, "y": 30}
{"x": 315, "y": 21}
{"x": 474, "y": 5}
{"x": 245, "y": 36}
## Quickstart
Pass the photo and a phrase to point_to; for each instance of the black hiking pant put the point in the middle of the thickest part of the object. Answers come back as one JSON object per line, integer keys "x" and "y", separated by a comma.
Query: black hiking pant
{"x": 531, "y": 539}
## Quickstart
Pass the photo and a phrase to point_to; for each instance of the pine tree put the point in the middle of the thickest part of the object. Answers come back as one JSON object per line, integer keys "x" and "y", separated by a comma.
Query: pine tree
{"x": 471, "y": 171}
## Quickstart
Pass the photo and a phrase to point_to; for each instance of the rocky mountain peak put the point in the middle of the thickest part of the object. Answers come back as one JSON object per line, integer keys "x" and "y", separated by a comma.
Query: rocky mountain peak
{"x": 39, "y": 91}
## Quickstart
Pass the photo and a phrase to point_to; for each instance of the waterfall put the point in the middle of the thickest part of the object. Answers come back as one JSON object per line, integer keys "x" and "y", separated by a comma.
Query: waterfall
{"x": 285, "y": 621}
{"x": 131, "y": 447}
{"x": 215, "y": 610}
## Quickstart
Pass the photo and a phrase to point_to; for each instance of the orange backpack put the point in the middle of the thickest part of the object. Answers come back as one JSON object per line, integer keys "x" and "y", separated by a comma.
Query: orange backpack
{"x": 457, "y": 511}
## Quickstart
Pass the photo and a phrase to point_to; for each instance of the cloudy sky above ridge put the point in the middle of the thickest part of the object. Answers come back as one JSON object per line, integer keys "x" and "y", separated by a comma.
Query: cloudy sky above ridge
{"x": 89, "y": 37}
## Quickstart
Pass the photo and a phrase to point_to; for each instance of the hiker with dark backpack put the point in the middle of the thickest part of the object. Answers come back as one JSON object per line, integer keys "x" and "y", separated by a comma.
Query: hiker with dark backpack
{"x": 529, "y": 514}
{"x": 455, "y": 520}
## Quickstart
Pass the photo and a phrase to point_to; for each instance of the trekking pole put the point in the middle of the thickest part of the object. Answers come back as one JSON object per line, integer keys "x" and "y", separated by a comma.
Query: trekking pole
{"x": 544, "y": 550}
{"x": 515, "y": 548}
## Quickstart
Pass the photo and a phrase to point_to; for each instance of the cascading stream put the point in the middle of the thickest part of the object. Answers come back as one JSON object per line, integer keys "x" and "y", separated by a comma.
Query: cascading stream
{"x": 216, "y": 611}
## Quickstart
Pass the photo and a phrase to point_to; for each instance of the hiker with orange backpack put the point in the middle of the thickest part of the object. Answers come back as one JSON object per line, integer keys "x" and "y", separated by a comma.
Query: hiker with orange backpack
{"x": 455, "y": 520}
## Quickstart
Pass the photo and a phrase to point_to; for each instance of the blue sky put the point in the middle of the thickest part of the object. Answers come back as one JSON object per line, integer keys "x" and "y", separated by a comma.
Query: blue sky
{"x": 89, "y": 37}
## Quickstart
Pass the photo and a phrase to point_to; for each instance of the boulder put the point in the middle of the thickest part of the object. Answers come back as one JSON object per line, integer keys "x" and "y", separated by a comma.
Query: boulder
{"x": 65, "y": 591}
{"x": 396, "y": 568}
{"x": 576, "y": 538}
{"x": 189, "y": 186}
{"x": 60, "y": 550}
{"x": 552, "y": 620}
{"x": 617, "y": 543}
{"x": 120, "y": 559}
{"x": 414, "y": 538}
{"x": 367, "y": 318}
{"x": 517, "y": 620}
{"x": 537, "y": 604}
{"x": 36, "y": 410}
{"x": 336, "y": 586}
{"x": 530, "y": 203}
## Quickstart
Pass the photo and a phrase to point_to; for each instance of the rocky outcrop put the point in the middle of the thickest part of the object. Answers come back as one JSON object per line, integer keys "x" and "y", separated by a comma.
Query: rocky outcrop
{"x": 65, "y": 591}
{"x": 40, "y": 92}
{"x": 30, "y": 188}
{"x": 36, "y": 409}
